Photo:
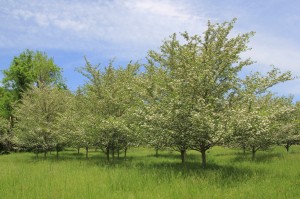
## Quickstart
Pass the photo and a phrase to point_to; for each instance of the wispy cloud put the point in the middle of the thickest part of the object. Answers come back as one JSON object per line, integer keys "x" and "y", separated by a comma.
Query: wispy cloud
{"x": 93, "y": 25}
{"x": 127, "y": 29}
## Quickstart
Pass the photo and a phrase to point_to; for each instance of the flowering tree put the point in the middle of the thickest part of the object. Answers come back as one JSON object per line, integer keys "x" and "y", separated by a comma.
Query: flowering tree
{"x": 74, "y": 122}
{"x": 38, "y": 118}
{"x": 197, "y": 79}
{"x": 287, "y": 125}
{"x": 256, "y": 111}
{"x": 113, "y": 94}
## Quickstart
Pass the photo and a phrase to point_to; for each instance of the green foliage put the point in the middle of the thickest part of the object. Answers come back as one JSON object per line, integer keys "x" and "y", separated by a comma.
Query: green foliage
{"x": 31, "y": 68}
{"x": 6, "y": 100}
{"x": 5, "y": 135}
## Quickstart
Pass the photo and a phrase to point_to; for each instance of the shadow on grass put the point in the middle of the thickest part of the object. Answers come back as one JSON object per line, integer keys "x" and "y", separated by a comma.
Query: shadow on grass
{"x": 69, "y": 155}
{"x": 223, "y": 175}
{"x": 168, "y": 166}
{"x": 260, "y": 158}
{"x": 164, "y": 155}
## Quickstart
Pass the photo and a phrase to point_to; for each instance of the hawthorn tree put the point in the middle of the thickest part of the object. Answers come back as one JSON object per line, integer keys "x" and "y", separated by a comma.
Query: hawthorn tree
{"x": 113, "y": 95}
{"x": 287, "y": 125}
{"x": 38, "y": 118}
{"x": 152, "y": 130}
{"x": 198, "y": 78}
{"x": 256, "y": 111}
{"x": 74, "y": 122}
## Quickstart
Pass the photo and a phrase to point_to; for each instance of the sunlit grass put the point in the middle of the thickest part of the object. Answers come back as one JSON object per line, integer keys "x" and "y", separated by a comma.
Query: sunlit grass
{"x": 274, "y": 174}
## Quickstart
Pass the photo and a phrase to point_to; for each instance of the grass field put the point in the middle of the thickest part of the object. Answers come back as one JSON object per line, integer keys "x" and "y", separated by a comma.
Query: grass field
{"x": 274, "y": 174}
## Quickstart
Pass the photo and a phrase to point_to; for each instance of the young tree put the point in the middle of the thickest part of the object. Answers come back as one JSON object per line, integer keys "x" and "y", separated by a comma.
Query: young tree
{"x": 74, "y": 122}
{"x": 113, "y": 95}
{"x": 152, "y": 129}
{"x": 256, "y": 111}
{"x": 287, "y": 125}
{"x": 38, "y": 118}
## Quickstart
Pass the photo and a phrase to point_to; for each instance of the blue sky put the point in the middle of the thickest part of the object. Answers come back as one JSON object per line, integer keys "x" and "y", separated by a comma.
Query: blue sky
{"x": 126, "y": 29}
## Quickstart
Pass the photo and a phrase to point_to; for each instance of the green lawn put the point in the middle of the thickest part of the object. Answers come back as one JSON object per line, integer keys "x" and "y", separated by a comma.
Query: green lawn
{"x": 274, "y": 174}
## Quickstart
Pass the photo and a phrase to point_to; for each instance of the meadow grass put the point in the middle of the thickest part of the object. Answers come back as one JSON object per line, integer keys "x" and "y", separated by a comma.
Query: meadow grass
{"x": 273, "y": 174}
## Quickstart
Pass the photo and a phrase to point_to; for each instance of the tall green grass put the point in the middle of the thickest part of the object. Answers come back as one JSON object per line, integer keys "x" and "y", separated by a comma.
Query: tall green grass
{"x": 273, "y": 174}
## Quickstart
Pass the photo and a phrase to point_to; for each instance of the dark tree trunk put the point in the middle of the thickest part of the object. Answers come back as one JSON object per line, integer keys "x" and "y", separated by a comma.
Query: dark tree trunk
{"x": 244, "y": 151}
{"x": 203, "y": 156}
{"x": 182, "y": 155}
{"x": 156, "y": 152}
{"x": 45, "y": 154}
{"x": 118, "y": 153}
{"x": 78, "y": 150}
{"x": 287, "y": 147}
{"x": 86, "y": 152}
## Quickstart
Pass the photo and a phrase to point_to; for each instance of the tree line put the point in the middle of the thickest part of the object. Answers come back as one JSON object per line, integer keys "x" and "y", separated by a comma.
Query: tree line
{"x": 188, "y": 95}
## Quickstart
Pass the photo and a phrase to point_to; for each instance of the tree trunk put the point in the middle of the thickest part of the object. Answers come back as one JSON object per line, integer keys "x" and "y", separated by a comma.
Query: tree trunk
{"x": 125, "y": 152}
{"x": 86, "y": 152}
{"x": 78, "y": 149}
{"x": 244, "y": 151}
{"x": 287, "y": 147}
{"x": 113, "y": 153}
{"x": 253, "y": 152}
{"x": 45, "y": 154}
{"x": 203, "y": 155}
{"x": 182, "y": 154}
{"x": 118, "y": 153}
{"x": 156, "y": 152}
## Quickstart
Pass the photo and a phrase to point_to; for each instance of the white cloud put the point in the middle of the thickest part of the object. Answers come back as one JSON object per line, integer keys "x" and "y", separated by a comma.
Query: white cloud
{"x": 163, "y": 9}
{"x": 95, "y": 25}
